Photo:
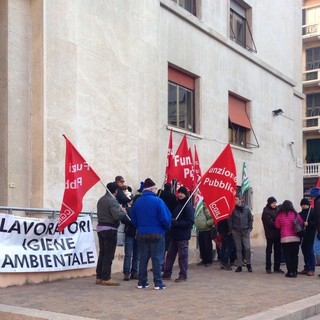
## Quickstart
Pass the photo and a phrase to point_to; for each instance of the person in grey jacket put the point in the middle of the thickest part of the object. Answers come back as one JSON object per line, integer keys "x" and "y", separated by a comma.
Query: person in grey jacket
{"x": 240, "y": 223}
{"x": 109, "y": 213}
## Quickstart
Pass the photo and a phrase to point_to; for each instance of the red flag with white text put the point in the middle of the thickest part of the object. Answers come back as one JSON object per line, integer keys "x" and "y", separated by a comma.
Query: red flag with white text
{"x": 79, "y": 178}
{"x": 183, "y": 164}
{"x": 169, "y": 165}
{"x": 219, "y": 185}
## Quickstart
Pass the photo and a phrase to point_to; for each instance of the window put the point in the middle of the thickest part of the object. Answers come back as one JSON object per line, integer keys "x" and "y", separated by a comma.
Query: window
{"x": 313, "y": 151}
{"x": 313, "y": 105}
{"x": 181, "y": 111}
{"x": 239, "y": 27}
{"x": 189, "y": 5}
{"x": 239, "y": 123}
{"x": 310, "y": 21}
{"x": 313, "y": 58}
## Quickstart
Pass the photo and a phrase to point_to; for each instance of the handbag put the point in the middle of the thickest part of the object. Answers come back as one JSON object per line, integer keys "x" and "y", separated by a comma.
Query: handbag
{"x": 298, "y": 227}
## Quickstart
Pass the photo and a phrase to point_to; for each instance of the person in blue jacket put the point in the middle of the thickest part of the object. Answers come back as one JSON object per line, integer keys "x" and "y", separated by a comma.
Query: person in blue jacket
{"x": 180, "y": 235}
{"x": 152, "y": 218}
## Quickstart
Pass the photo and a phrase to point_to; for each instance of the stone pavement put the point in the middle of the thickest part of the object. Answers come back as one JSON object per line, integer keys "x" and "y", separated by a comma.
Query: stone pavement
{"x": 209, "y": 293}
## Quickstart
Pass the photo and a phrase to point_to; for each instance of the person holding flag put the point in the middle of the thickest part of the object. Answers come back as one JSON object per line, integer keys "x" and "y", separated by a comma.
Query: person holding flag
{"x": 180, "y": 233}
{"x": 109, "y": 214}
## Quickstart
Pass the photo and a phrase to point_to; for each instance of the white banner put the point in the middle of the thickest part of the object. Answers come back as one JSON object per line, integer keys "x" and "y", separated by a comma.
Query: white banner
{"x": 35, "y": 245}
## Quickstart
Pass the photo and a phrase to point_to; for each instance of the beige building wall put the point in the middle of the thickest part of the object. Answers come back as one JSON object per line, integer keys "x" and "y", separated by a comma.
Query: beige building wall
{"x": 97, "y": 71}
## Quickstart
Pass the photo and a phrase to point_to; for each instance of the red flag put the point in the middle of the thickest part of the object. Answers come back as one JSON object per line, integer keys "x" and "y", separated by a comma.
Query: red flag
{"x": 196, "y": 168}
{"x": 318, "y": 183}
{"x": 79, "y": 178}
{"x": 219, "y": 184}
{"x": 169, "y": 165}
{"x": 183, "y": 166}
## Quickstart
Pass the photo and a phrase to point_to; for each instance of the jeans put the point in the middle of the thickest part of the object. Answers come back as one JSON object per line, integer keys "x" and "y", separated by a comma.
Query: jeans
{"x": 107, "y": 248}
{"x": 276, "y": 245}
{"x": 131, "y": 255}
{"x": 154, "y": 249}
{"x": 182, "y": 249}
{"x": 308, "y": 256}
{"x": 205, "y": 246}
{"x": 227, "y": 250}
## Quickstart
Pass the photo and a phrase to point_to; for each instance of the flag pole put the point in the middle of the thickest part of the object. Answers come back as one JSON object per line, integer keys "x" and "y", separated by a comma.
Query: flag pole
{"x": 195, "y": 189}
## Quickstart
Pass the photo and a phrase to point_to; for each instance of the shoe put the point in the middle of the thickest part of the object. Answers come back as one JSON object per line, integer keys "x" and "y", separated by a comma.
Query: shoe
{"x": 304, "y": 271}
{"x": 249, "y": 268}
{"x": 180, "y": 279}
{"x": 165, "y": 277}
{"x": 98, "y": 281}
{"x": 126, "y": 277}
{"x": 225, "y": 266}
{"x": 134, "y": 276}
{"x": 239, "y": 269}
{"x": 278, "y": 271}
{"x": 310, "y": 273}
{"x": 143, "y": 286}
{"x": 201, "y": 263}
{"x": 268, "y": 271}
{"x": 160, "y": 286}
{"x": 110, "y": 282}
{"x": 291, "y": 275}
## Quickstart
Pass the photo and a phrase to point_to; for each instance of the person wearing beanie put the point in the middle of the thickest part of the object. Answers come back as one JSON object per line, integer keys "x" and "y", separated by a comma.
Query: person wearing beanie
{"x": 180, "y": 233}
{"x": 109, "y": 214}
{"x": 241, "y": 223}
{"x": 307, "y": 241}
{"x": 152, "y": 218}
{"x": 272, "y": 235}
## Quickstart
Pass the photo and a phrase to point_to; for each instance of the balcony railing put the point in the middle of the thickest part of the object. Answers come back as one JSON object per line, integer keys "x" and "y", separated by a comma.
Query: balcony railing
{"x": 311, "y": 170}
{"x": 311, "y": 124}
{"x": 311, "y": 77}
{"x": 310, "y": 31}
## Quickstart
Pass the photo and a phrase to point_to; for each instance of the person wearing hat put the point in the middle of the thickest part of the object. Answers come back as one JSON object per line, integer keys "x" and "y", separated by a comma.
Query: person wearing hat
{"x": 272, "y": 235}
{"x": 180, "y": 234}
{"x": 152, "y": 218}
{"x": 307, "y": 241}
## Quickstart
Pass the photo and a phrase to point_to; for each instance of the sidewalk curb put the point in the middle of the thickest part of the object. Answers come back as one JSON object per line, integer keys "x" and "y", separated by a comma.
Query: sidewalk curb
{"x": 37, "y": 314}
{"x": 297, "y": 310}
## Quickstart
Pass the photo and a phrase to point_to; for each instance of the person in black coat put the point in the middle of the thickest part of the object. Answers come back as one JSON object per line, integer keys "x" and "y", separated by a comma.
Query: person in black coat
{"x": 180, "y": 235}
{"x": 307, "y": 240}
{"x": 170, "y": 200}
{"x": 272, "y": 235}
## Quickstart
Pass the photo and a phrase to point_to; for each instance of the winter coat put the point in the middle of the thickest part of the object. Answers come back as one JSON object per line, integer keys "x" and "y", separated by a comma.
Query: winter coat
{"x": 181, "y": 227}
{"x": 203, "y": 221}
{"x": 150, "y": 215}
{"x": 310, "y": 230}
{"x": 241, "y": 218}
{"x": 109, "y": 211}
{"x": 130, "y": 230}
{"x": 284, "y": 222}
{"x": 268, "y": 218}
{"x": 169, "y": 199}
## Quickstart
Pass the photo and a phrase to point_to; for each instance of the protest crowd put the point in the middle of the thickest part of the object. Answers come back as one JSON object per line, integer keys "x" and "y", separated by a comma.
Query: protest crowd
{"x": 158, "y": 224}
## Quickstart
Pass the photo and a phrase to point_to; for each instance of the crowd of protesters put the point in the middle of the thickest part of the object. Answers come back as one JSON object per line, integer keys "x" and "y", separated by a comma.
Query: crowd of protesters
{"x": 158, "y": 225}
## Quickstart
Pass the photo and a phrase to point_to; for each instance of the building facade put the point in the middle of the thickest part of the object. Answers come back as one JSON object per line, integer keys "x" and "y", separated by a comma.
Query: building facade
{"x": 311, "y": 89}
{"x": 115, "y": 76}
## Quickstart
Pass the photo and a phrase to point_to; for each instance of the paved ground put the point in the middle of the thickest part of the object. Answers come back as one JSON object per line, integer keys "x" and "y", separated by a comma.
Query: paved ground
{"x": 209, "y": 293}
